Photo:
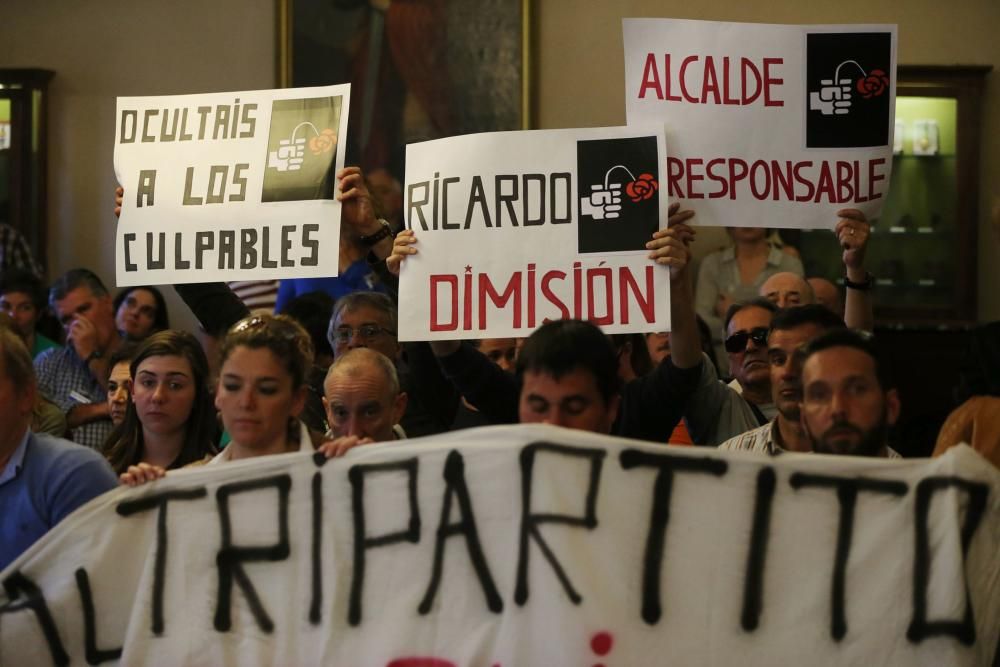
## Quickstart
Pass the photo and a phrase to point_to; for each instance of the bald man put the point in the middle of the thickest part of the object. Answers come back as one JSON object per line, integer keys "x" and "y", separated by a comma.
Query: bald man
{"x": 827, "y": 294}
{"x": 362, "y": 399}
{"x": 787, "y": 289}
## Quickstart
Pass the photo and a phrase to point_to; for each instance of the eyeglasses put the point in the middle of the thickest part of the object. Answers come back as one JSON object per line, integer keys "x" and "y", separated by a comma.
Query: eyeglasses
{"x": 365, "y": 331}
{"x": 738, "y": 341}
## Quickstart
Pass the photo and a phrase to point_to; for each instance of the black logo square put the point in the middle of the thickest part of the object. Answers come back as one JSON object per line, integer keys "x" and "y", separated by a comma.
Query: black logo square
{"x": 848, "y": 85}
{"x": 618, "y": 185}
{"x": 301, "y": 149}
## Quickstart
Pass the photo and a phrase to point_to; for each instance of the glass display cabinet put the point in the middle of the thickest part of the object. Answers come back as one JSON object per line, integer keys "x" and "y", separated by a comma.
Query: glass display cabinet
{"x": 923, "y": 247}
{"x": 23, "y": 151}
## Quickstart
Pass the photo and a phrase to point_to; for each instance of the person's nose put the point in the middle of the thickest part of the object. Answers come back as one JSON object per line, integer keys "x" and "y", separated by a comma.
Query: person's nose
{"x": 354, "y": 426}
{"x": 120, "y": 395}
{"x": 160, "y": 393}
{"x": 247, "y": 400}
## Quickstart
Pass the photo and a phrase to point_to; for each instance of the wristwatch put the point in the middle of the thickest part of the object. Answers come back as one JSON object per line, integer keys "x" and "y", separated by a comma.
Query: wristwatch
{"x": 385, "y": 232}
{"x": 863, "y": 286}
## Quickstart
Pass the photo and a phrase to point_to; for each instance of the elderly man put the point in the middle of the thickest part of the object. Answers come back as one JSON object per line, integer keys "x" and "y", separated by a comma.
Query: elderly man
{"x": 42, "y": 478}
{"x": 787, "y": 289}
{"x": 847, "y": 403}
{"x": 75, "y": 377}
{"x": 791, "y": 330}
{"x": 362, "y": 398}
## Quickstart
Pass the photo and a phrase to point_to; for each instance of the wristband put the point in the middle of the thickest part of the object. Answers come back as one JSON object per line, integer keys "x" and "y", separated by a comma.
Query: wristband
{"x": 863, "y": 286}
{"x": 372, "y": 239}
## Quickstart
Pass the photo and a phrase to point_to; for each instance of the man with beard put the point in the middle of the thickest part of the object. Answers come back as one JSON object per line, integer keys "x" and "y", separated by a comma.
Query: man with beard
{"x": 847, "y": 405}
{"x": 791, "y": 330}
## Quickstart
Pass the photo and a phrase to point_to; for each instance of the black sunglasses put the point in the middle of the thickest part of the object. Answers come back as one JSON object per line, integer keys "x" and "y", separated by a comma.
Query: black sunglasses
{"x": 738, "y": 341}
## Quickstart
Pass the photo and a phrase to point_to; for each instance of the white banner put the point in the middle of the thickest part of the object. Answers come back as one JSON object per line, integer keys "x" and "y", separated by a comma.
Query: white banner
{"x": 522, "y": 545}
{"x": 516, "y": 228}
{"x": 228, "y": 184}
{"x": 767, "y": 125}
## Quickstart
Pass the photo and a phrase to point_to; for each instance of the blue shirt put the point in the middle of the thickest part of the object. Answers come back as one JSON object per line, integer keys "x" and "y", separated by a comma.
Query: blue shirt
{"x": 358, "y": 277}
{"x": 43, "y": 482}
{"x": 64, "y": 379}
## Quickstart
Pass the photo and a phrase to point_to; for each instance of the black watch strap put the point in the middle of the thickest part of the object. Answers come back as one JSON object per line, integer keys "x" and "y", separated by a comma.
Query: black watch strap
{"x": 864, "y": 286}
{"x": 372, "y": 239}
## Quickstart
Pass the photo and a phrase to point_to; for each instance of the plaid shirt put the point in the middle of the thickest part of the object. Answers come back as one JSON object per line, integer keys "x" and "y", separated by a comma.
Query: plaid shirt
{"x": 64, "y": 379}
{"x": 15, "y": 253}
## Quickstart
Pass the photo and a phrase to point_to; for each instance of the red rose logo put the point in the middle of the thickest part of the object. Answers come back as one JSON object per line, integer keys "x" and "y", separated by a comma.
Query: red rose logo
{"x": 873, "y": 85}
{"x": 642, "y": 188}
{"x": 324, "y": 142}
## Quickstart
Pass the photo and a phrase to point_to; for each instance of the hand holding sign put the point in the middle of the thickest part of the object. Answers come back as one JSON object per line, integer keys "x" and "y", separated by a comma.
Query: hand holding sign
{"x": 853, "y": 232}
{"x": 670, "y": 246}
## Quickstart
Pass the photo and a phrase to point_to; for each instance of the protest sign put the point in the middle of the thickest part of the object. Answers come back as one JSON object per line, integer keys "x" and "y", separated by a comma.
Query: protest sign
{"x": 227, "y": 182}
{"x": 767, "y": 125}
{"x": 522, "y": 545}
{"x": 516, "y": 228}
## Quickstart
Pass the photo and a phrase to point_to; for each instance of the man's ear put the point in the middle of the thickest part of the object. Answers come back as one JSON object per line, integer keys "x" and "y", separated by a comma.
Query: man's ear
{"x": 399, "y": 406}
{"x": 892, "y": 407}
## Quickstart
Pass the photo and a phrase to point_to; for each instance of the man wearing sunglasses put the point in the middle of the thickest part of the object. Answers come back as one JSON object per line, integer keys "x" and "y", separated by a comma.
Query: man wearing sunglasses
{"x": 791, "y": 330}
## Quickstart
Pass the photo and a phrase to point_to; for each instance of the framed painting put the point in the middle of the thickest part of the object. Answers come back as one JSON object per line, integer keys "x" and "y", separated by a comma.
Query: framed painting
{"x": 418, "y": 69}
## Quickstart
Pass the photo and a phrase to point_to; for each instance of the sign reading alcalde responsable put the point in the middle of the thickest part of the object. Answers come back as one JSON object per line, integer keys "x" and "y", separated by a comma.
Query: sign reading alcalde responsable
{"x": 227, "y": 182}
{"x": 767, "y": 125}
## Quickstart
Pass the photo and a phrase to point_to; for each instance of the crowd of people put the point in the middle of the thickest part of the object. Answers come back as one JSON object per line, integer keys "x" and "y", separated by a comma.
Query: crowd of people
{"x": 759, "y": 359}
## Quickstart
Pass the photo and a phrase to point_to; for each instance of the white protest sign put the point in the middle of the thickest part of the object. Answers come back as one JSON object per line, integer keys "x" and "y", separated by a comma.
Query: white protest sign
{"x": 522, "y": 545}
{"x": 227, "y": 185}
{"x": 516, "y": 228}
{"x": 767, "y": 125}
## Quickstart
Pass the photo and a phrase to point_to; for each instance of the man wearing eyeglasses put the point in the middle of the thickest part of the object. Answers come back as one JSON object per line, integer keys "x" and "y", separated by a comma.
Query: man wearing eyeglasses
{"x": 791, "y": 330}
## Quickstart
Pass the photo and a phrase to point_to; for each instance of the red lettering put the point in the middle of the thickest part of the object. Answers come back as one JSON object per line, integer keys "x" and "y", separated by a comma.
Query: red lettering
{"x": 782, "y": 180}
{"x": 799, "y": 166}
{"x": 511, "y": 291}
{"x": 667, "y": 80}
{"x": 769, "y": 80}
{"x": 721, "y": 180}
{"x": 675, "y": 171}
{"x": 550, "y": 295}
{"x": 759, "y": 166}
{"x": 726, "y": 78}
{"x": 626, "y": 284}
{"x": 687, "y": 61}
{"x": 825, "y": 186}
{"x": 734, "y": 176}
{"x": 609, "y": 314}
{"x": 651, "y": 78}
{"x": 709, "y": 82}
{"x": 467, "y": 302}
{"x": 745, "y": 66}
{"x": 452, "y": 280}
{"x": 874, "y": 178}
{"x": 690, "y": 164}
{"x": 844, "y": 191}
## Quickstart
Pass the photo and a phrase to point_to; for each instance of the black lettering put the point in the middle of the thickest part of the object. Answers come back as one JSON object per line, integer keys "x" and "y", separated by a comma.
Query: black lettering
{"x": 221, "y": 121}
{"x": 203, "y": 242}
{"x": 507, "y": 200}
{"x": 128, "y": 240}
{"x": 16, "y": 585}
{"x": 666, "y": 464}
{"x": 227, "y": 249}
{"x": 539, "y": 179}
{"x": 753, "y": 584}
{"x": 265, "y": 250}
{"x": 920, "y": 627}
{"x": 247, "y": 121}
{"x": 847, "y": 489}
{"x": 455, "y": 486}
{"x": 530, "y": 521}
{"x": 127, "y": 135}
{"x": 414, "y": 203}
{"x": 312, "y": 259}
{"x": 190, "y": 200}
{"x": 363, "y": 541}
{"x": 95, "y": 656}
{"x": 179, "y": 261}
{"x": 146, "y": 115}
{"x": 159, "y": 502}
{"x": 478, "y": 196}
{"x": 217, "y": 174}
{"x": 147, "y": 184}
{"x": 316, "y": 604}
{"x": 240, "y": 180}
{"x": 567, "y": 213}
{"x": 161, "y": 259}
{"x": 231, "y": 557}
{"x": 174, "y": 117}
{"x": 444, "y": 204}
{"x": 248, "y": 251}
{"x": 286, "y": 245}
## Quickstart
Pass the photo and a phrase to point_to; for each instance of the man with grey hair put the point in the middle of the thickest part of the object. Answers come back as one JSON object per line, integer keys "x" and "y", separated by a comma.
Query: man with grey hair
{"x": 362, "y": 398}
{"x": 42, "y": 478}
{"x": 74, "y": 377}
{"x": 787, "y": 289}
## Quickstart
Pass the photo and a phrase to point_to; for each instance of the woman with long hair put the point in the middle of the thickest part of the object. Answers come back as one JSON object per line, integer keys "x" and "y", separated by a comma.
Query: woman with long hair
{"x": 170, "y": 421}
{"x": 140, "y": 312}
{"x": 261, "y": 392}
